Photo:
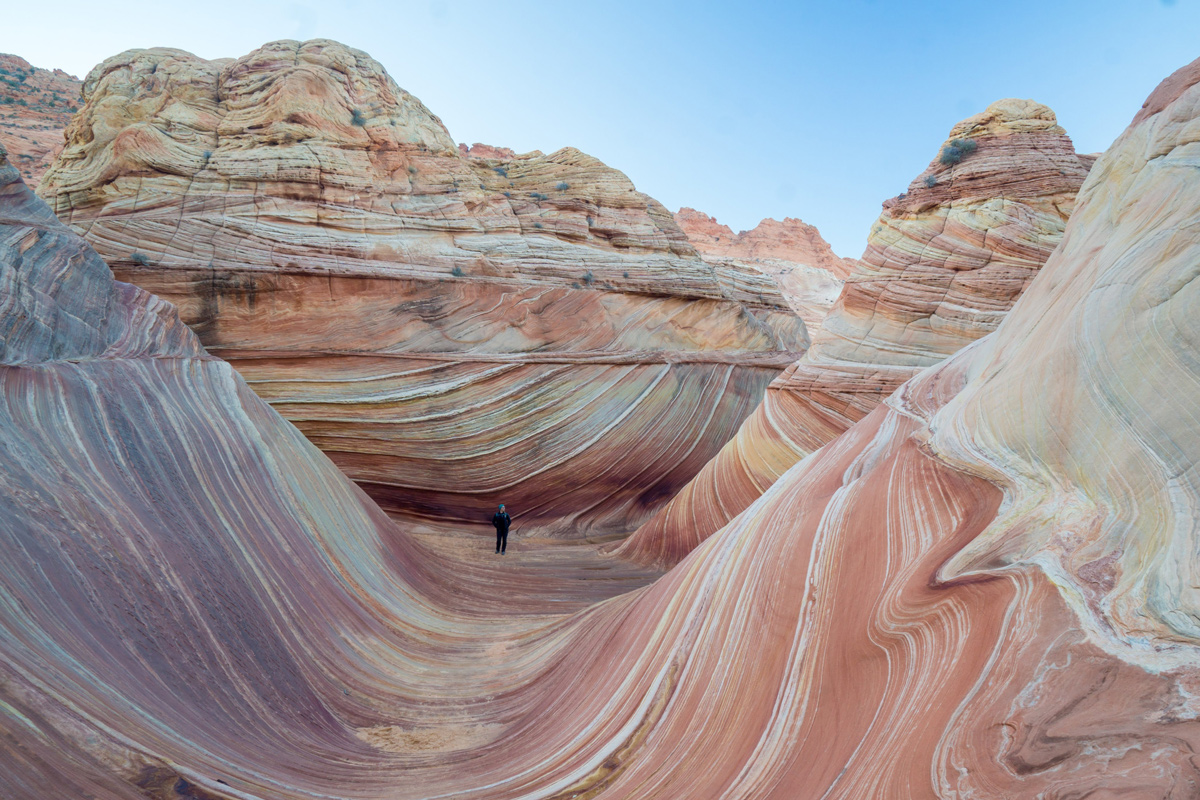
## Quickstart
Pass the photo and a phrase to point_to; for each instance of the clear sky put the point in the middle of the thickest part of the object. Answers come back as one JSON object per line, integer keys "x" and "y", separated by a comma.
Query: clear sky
{"x": 743, "y": 110}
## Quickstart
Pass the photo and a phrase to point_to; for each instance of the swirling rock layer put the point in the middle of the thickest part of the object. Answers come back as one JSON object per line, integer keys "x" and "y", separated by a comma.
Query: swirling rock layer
{"x": 197, "y": 602}
{"x": 984, "y": 588}
{"x": 944, "y": 263}
{"x": 453, "y": 329}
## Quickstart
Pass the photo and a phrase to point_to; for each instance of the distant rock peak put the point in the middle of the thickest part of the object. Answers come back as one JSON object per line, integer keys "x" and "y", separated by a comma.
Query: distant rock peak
{"x": 788, "y": 240}
{"x": 944, "y": 263}
{"x": 486, "y": 151}
{"x": 1014, "y": 149}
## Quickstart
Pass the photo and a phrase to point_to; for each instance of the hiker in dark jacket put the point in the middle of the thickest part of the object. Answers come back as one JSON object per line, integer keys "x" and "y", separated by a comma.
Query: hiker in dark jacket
{"x": 501, "y": 520}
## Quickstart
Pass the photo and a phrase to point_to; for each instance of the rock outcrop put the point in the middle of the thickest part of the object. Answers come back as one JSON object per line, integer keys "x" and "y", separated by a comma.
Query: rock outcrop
{"x": 944, "y": 263}
{"x": 792, "y": 253}
{"x": 197, "y": 603}
{"x": 486, "y": 151}
{"x": 771, "y": 240}
{"x": 452, "y": 330}
{"x": 984, "y": 588}
{"x": 133, "y": 465}
{"x": 35, "y": 106}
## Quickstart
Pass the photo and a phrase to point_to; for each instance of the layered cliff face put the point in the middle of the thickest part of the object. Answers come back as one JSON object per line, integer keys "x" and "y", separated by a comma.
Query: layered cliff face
{"x": 35, "y": 106}
{"x": 982, "y": 589}
{"x": 453, "y": 330}
{"x": 792, "y": 253}
{"x": 944, "y": 263}
{"x": 197, "y": 602}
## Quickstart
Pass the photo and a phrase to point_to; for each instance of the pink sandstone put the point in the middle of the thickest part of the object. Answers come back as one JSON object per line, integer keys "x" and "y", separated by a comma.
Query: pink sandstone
{"x": 35, "y": 106}
{"x": 790, "y": 240}
{"x": 486, "y": 151}
{"x": 453, "y": 331}
{"x": 791, "y": 252}
{"x": 983, "y": 588}
{"x": 943, "y": 264}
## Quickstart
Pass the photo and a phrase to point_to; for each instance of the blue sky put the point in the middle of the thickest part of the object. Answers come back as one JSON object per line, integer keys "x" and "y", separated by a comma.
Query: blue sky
{"x": 743, "y": 110}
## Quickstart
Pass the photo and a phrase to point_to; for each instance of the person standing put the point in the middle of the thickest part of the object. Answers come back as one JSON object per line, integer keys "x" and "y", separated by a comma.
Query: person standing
{"x": 501, "y": 520}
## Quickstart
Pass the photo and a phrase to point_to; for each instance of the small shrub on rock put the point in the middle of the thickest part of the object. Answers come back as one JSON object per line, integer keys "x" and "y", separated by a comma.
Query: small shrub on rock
{"x": 957, "y": 150}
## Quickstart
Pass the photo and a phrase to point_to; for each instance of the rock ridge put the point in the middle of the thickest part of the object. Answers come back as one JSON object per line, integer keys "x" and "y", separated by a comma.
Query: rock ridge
{"x": 944, "y": 263}
{"x": 318, "y": 226}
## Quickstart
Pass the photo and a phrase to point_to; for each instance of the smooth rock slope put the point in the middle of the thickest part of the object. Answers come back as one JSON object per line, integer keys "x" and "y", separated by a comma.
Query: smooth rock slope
{"x": 452, "y": 330}
{"x": 943, "y": 264}
{"x": 984, "y": 587}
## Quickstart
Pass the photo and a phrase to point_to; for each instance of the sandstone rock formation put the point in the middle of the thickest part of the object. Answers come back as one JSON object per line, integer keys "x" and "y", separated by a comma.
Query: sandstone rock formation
{"x": 943, "y": 264}
{"x": 771, "y": 240}
{"x": 486, "y": 151}
{"x": 791, "y": 252}
{"x": 35, "y": 106}
{"x": 454, "y": 331}
{"x": 984, "y": 588}
{"x": 197, "y": 602}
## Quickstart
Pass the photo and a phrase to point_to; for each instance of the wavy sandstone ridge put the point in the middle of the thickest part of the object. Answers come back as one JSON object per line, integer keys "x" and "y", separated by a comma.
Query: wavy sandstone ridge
{"x": 982, "y": 589}
{"x": 944, "y": 263}
{"x": 452, "y": 330}
{"x": 198, "y": 603}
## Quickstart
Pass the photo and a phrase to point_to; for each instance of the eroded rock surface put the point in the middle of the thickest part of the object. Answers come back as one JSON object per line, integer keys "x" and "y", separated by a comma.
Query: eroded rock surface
{"x": 453, "y": 330}
{"x": 35, "y": 106}
{"x": 771, "y": 240}
{"x": 943, "y": 265}
{"x": 197, "y": 602}
{"x": 984, "y": 588}
{"x": 987, "y": 580}
{"x": 791, "y": 252}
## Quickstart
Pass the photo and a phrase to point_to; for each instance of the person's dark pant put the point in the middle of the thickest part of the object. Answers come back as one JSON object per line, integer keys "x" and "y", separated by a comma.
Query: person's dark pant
{"x": 501, "y": 540}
